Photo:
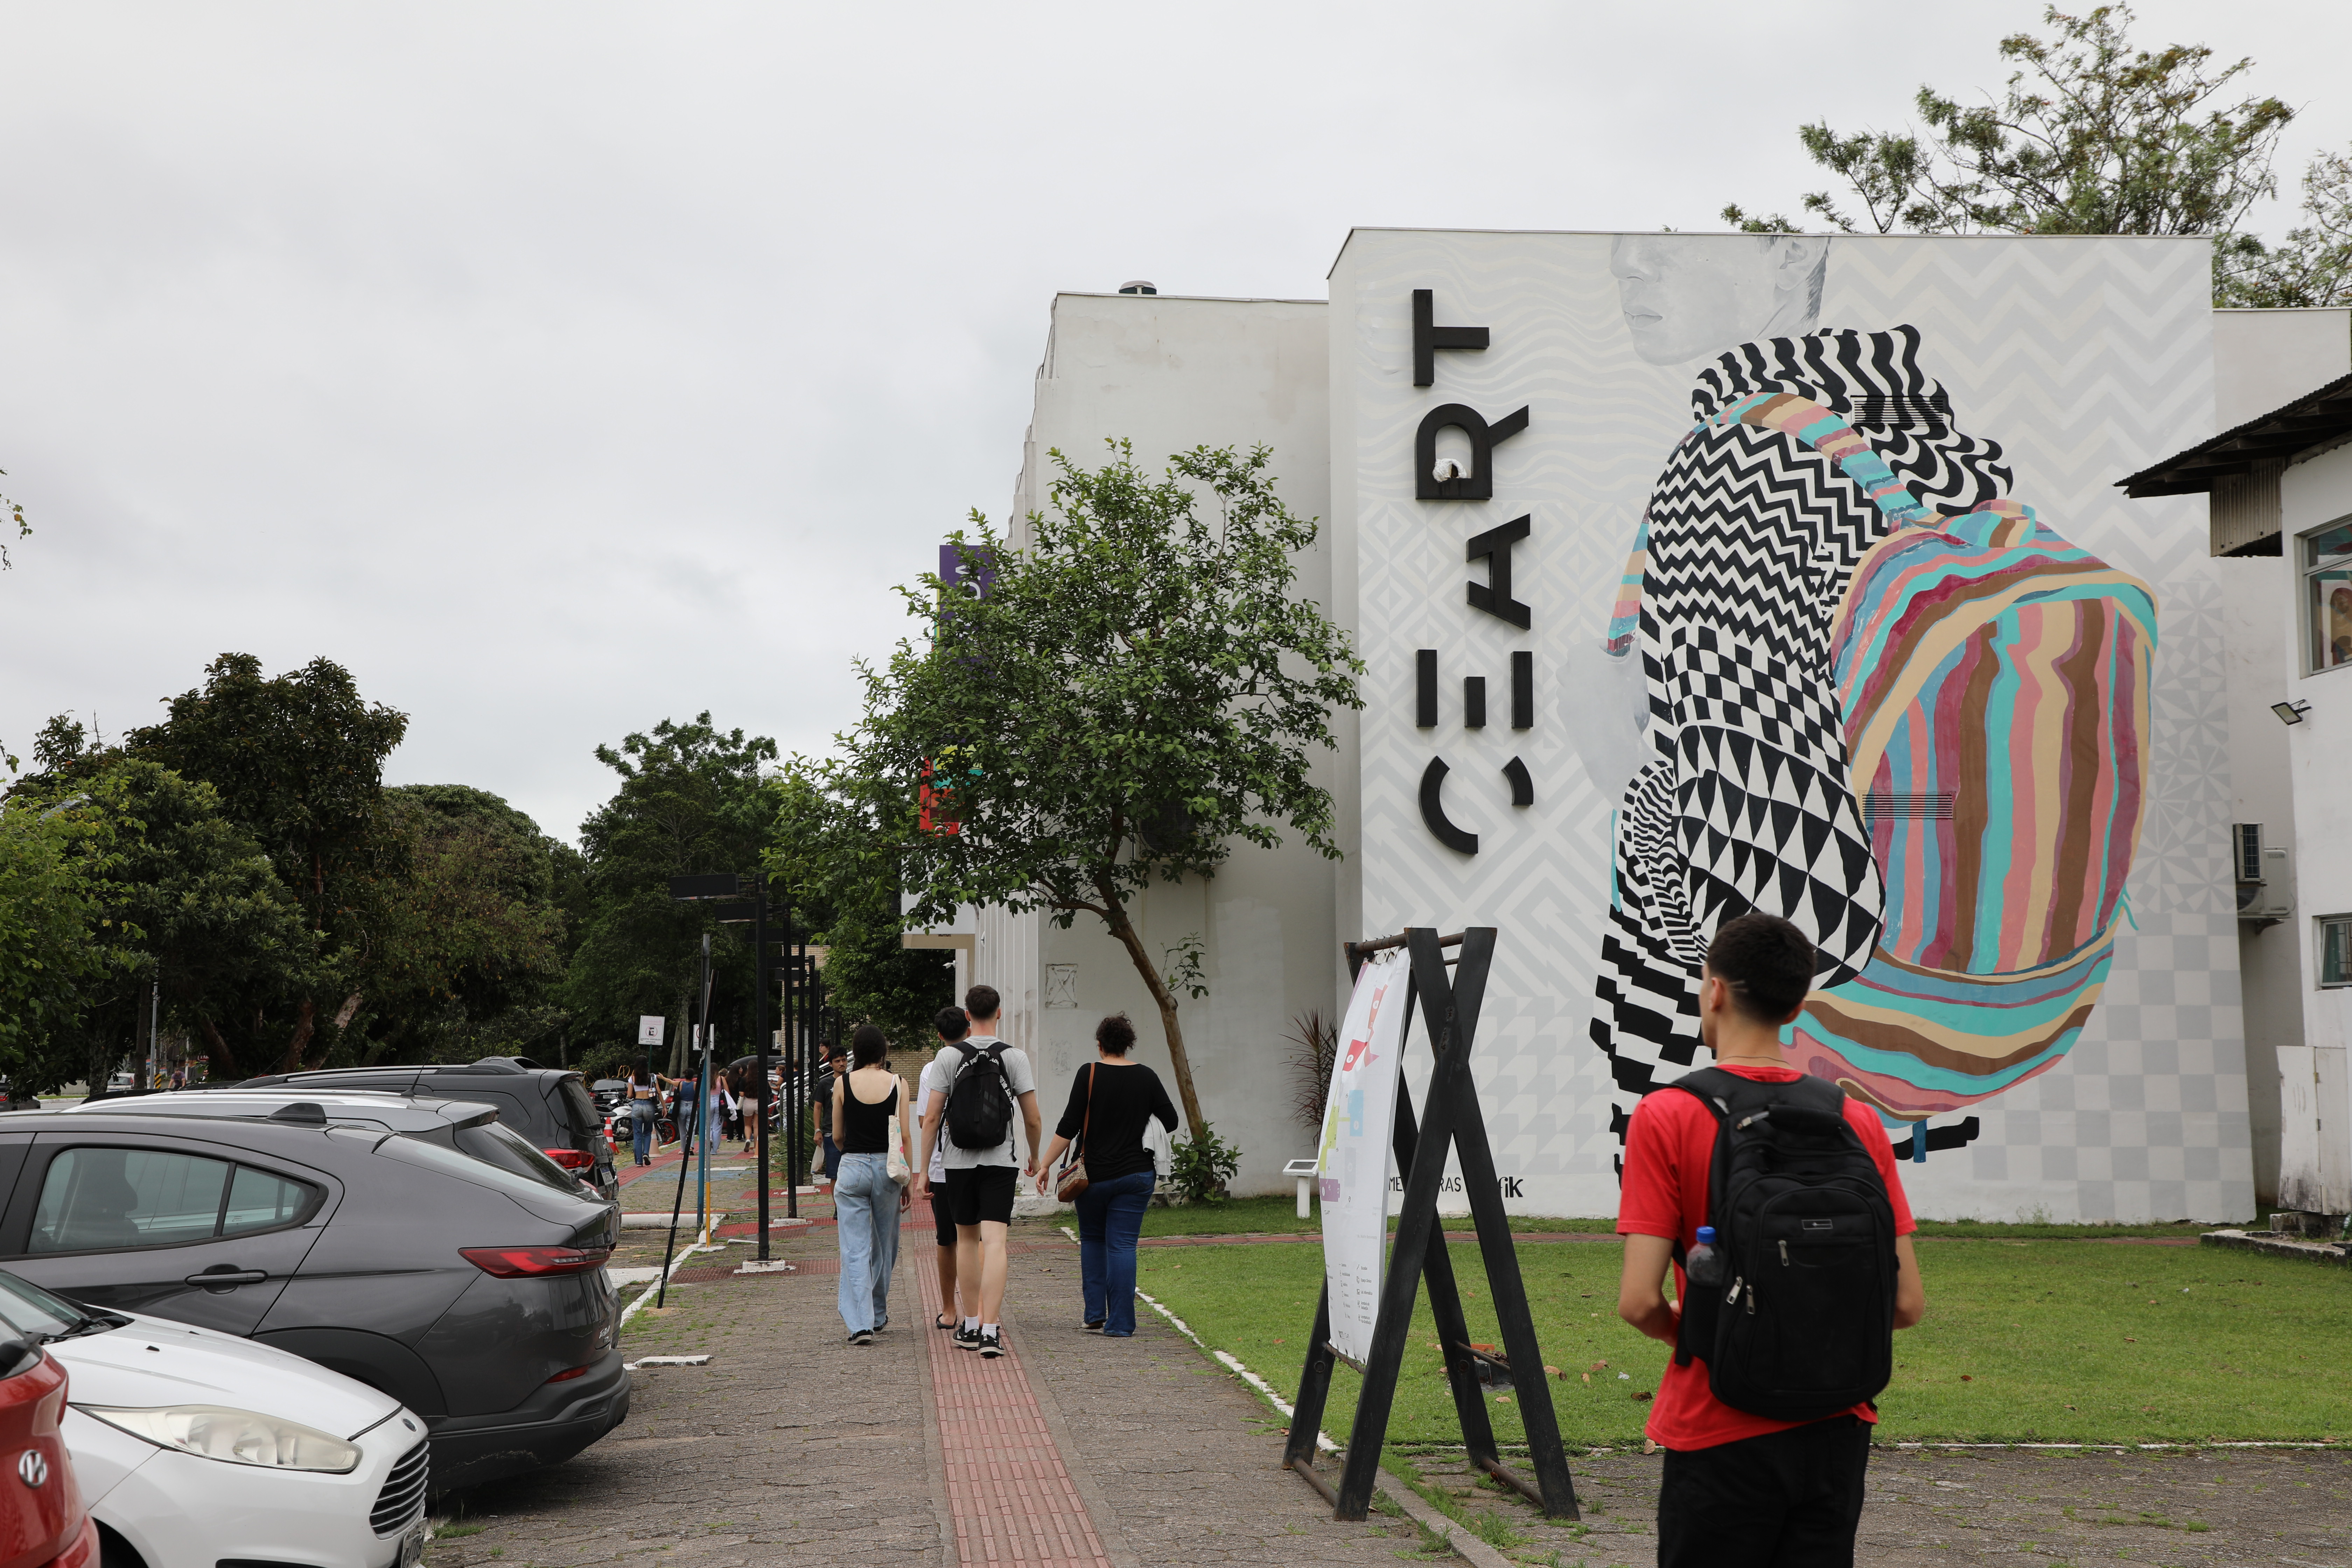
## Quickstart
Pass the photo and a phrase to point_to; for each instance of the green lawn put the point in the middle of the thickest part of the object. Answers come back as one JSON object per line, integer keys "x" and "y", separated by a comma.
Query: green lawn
{"x": 2026, "y": 1341}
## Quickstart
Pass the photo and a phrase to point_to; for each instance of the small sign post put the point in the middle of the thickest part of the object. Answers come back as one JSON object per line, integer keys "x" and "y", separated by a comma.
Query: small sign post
{"x": 650, "y": 1029}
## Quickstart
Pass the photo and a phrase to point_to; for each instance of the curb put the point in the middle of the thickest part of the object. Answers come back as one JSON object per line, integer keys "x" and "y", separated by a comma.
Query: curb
{"x": 2307, "y": 1251}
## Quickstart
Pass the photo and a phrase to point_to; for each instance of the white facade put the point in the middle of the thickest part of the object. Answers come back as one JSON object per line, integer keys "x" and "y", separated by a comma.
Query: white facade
{"x": 2315, "y": 1091}
{"x": 2085, "y": 358}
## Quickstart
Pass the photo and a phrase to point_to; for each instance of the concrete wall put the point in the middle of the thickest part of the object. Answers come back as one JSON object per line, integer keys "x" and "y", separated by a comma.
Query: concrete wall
{"x": 2316, "y": 1095}
{"x": 2263, "y": 360}
{"x": 1171, "y": 374}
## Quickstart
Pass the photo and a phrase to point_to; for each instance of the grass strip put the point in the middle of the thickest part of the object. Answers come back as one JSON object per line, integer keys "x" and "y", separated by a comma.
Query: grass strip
{"x": 2026, "y": 1341}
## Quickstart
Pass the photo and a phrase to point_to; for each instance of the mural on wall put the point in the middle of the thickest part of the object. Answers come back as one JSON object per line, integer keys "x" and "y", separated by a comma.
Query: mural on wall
{"x": 1852, "y": 681}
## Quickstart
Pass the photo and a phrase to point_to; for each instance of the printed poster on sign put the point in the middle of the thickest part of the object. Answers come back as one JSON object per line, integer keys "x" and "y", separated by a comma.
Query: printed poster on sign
{"x": 1352, "y": 1160}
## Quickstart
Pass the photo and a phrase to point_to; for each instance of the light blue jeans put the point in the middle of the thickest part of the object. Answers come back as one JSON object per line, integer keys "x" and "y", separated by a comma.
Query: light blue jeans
{"x": 1111, "y": 1217}
{"x": 865, "y": 1201}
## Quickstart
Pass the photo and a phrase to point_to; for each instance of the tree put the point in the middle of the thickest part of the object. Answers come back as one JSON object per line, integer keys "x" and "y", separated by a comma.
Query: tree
{"x": 298, "y": 761}
{"x": 2314, "y": 266}
{"x": 842, "y": 877}
{"x": 47, "y": 910}
{"x": 1137, "y": 693}
{"x": 470, "y": 938}
{"x": 690, "y": 801}
{"x": 177, "y": 896}
{"x": 2089, "y": 136}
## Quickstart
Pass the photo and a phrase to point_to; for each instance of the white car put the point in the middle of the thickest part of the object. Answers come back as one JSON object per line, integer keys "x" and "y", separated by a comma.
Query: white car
{"x": 194, "y": 1448}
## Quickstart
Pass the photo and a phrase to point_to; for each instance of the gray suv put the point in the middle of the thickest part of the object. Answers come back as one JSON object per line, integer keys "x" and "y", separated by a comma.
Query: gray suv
{"x": 549, "y": 1106}
{"x": 471, "y": 1289}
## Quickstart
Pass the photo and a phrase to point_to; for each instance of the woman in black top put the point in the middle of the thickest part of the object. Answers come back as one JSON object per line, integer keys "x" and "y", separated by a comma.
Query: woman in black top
{"x": 1110, "y": 1099}
{"x": 869, "y": 1122}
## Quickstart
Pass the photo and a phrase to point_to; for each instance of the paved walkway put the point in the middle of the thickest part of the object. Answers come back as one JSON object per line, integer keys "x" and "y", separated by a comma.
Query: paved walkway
{"x": 792, "y": 1448}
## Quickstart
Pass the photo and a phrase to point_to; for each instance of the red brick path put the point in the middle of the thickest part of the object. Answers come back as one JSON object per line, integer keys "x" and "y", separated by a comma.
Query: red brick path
{"x": 1008, "y": 1491}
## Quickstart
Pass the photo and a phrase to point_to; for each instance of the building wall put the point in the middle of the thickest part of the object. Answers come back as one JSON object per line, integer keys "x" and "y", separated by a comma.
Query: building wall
{"x": 2085, "y": 358}
{"x": 2315, "y": 1094}
{"x": 1170, "y": 373}
{"x": 2263, "y": 360}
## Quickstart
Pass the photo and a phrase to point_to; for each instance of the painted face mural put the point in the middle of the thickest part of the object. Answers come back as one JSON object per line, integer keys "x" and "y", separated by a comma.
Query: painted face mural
{"x": 1884, "y": 701}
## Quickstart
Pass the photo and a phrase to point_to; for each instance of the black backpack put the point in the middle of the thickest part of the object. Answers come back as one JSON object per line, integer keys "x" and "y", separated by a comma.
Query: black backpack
{"x": 1803, "y": 1325}
{"x": 980, "y": 1099}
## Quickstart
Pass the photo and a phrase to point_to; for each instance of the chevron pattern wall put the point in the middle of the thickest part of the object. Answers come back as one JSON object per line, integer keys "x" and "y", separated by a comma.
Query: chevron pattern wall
{"x": 2084, "y": 359}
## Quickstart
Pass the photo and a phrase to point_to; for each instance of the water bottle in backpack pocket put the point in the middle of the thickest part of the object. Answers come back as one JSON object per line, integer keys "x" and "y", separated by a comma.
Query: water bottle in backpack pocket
{"x": 1802, "y": 1323}
{"x": 980, "y": 1099}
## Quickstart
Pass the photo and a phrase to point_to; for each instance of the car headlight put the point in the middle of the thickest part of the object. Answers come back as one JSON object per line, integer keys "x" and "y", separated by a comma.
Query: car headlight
{"x": 232, "y": 1437}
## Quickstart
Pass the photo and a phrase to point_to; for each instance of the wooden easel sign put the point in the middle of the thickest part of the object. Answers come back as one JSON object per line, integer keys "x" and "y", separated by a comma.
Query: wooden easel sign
{"x": 1449, "y": 1013}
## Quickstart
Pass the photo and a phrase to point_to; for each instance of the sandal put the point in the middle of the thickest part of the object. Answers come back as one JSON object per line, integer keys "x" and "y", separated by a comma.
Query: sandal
{"x": 939, "y": 1322}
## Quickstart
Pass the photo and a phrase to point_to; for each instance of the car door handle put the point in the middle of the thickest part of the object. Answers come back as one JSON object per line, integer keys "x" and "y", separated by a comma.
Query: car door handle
{"x": 225, "y": 1278}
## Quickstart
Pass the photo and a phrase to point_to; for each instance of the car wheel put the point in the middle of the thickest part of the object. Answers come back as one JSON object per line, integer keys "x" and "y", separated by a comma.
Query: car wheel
{"x": 113, "y": 1552}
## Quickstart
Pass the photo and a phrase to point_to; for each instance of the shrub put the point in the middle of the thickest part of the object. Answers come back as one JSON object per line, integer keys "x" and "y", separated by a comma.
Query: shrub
{"x": 1202, "y": 1163}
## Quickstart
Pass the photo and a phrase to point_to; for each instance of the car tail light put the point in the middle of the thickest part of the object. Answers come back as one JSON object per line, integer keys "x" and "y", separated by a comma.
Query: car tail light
{"x": 570, "y": 1158}
{"x": 568, "y": 1376}
{"x": 535, "y": 1262}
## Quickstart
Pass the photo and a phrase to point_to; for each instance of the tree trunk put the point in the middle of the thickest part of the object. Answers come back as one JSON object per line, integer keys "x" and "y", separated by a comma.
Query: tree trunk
{"x": 348, "y": 1010}
{"x": 1124, "y": 929}
{"x": 306, "y": 1021}
{"x": 220, "y": 1051}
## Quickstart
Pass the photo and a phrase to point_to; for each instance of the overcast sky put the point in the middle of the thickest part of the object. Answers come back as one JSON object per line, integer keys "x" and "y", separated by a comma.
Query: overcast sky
{"x": 559, "y": 368}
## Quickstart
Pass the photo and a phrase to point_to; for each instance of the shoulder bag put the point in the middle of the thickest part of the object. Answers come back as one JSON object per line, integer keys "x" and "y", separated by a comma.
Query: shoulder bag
{"x": 895, "y": 1156}
{"x": 1075, "y": 1179}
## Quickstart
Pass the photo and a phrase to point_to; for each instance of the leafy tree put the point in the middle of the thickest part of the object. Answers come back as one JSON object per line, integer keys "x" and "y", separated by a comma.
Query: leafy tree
{"x": 690, "y": 801}
{"x": 176, "y": 895}
{"x": 2092, "y": 135}
{"x": 298, "y": 763}
{"x": 47, "y": 910}
{"x": 1138, "y": 691}
{"x": 842, "y": 876}
{"x": 470, "y": 938}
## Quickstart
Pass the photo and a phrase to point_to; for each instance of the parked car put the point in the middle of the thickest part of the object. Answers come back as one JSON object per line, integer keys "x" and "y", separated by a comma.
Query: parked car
{"x": 43, "y": 1522}
{"x": 469, "y": 1127}
{"x": 194, "y": 1448}
{"x": 549, "y": 1106}
{"x": 470, "y": 1293}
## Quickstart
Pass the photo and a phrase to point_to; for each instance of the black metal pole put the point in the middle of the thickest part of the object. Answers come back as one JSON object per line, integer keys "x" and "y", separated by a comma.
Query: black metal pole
{"x": 759, "y": 1030}
{"x": 677, "y": 1203}
{"x": 795, "y": 1069}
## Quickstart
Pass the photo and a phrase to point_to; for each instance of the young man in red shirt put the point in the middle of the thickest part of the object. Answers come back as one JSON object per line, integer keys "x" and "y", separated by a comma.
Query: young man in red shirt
{"x": 1741, "y": 1489}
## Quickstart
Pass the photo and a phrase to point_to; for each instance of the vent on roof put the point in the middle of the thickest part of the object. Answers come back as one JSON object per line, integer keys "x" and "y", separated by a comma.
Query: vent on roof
{"x": 1138, "y": 285}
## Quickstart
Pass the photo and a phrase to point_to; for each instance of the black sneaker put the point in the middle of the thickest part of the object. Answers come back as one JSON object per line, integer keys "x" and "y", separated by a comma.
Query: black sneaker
{"x": 967, "y": 1338}
{"x": 991, "y": 1345}
{"x": 862, "y": 1337}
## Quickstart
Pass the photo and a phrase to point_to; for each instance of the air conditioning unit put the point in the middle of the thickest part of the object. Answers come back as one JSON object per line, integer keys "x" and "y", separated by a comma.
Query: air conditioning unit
{"x": 2265, "y": 879}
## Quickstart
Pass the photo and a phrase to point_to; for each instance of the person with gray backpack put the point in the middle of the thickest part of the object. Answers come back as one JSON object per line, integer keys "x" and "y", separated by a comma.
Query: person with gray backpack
{"x": 974, "y": 1115}
{"x": 1773, "y": 1196}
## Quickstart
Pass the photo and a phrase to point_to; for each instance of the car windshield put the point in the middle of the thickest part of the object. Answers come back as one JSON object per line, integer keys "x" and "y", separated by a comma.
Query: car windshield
{"x": 37, "y": 1316}
{"x": 585, "y": 1119}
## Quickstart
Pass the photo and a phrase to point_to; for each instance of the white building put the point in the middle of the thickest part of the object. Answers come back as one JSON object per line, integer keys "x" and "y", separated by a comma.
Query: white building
{"x": 2280, "y": 482}
{"x": 2081, "y": 358}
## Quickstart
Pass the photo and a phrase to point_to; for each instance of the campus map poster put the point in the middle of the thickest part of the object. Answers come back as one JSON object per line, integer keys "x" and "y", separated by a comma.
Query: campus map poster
{"x": 1352, "y": 1158}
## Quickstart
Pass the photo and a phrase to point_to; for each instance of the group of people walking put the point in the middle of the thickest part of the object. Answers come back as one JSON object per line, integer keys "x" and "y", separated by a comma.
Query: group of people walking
{"x": 953, "y": 1144}
{"x": 736, "y": 1095}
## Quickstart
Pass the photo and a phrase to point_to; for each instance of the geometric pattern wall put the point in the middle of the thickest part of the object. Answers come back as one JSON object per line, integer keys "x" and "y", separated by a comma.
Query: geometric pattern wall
{"x": 2084, "y": 359}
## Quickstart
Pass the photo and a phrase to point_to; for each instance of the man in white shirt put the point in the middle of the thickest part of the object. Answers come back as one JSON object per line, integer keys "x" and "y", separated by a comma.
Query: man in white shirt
{"x": 981, "y": 1181}
{"x": 938, "y": 1073}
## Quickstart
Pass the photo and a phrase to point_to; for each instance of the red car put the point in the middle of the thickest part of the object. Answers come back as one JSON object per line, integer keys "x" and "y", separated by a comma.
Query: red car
{"x": 42, "y": 1521}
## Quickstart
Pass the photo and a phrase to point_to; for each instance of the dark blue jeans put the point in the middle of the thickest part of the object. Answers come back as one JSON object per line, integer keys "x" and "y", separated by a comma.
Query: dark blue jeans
{"x": 1110, "y": 1216}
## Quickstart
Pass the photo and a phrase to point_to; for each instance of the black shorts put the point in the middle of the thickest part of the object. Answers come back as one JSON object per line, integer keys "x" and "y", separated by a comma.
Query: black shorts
{"x": 982, "y": 1194}
{"x": 942, "y": 1216}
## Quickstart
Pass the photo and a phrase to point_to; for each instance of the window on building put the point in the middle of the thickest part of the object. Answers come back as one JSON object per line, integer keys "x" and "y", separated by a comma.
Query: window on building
{"x": 2327, "y": 595}
{"x": 2336, "y": 949}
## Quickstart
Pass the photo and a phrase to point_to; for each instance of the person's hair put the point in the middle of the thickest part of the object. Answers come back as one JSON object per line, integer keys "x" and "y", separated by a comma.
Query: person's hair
{"x": 867, "y": 1046}
{"x": 951, "y": 1023}
{"x": 1767, "y": 963}
{"x": 637, "y": 1069}
{"x": 982, "y": 1001}
{"x": 834, "y": 1049}
{"x": 1115, "y": 1035}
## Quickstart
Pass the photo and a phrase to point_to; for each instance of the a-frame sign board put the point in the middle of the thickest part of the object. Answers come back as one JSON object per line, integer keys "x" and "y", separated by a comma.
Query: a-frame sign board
{"x": 1450, "y": 1014}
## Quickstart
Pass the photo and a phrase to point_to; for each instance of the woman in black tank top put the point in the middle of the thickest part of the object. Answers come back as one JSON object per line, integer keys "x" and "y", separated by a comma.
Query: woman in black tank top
{"x": 869, "y": 1125}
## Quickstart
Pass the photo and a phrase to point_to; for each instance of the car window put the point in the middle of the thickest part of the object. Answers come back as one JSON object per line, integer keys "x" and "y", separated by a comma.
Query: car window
{"x": 584, "y": 1106}
{"x": 503, "y": 1147}
{"x": 467, "y": 1168}
{"x": 258, "y": 1200}
{"x": 108, "y": 1199}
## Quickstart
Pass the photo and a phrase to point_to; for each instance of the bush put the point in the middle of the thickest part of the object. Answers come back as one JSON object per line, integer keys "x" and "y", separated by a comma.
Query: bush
{"x": 1202, "y": 1164}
